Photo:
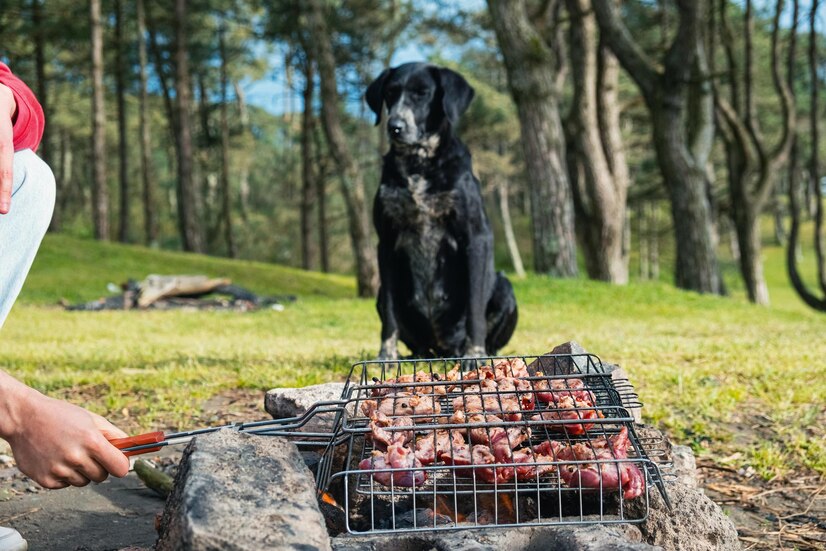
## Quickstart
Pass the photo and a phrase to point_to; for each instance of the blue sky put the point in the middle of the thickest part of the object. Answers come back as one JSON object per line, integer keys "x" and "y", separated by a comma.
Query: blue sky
{"x": 271, "y": 92}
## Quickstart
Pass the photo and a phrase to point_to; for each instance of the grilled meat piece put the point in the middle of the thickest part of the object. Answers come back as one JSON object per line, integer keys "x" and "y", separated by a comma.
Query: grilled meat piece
{"x": 382, "y": 437}
{"x": 475, "y": 457}
{"x": 397, "y": 456}
{"x": 606, "y": 476}
{"x": 560, "y": 388}
{"x": 404, "y": 383}
{"x": 421, "y": 407}
{"x": 492, "y": 432}
{"x": 568, "y": 408}
{"x": 432, "y": 445}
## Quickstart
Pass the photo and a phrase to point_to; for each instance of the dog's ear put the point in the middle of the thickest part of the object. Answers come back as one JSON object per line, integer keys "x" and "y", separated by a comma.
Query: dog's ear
{"x": 375, "y": 94}
{"x": 456, "y": 94}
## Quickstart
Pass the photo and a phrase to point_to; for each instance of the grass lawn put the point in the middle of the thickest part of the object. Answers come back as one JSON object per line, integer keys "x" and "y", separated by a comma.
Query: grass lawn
{"x": 742, "y": 384}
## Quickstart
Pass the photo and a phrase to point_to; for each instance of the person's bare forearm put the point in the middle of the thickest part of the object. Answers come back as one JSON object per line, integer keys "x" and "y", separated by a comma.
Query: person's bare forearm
{"x": 13, "y": 393}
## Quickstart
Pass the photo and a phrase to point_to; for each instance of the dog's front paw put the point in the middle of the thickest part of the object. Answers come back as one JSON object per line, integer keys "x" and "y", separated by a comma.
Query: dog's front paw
{"x": 472, "y": 352}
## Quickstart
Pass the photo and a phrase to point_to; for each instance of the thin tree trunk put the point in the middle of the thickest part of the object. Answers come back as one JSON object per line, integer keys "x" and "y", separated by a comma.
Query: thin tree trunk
{"x": 308, "y": 176}
{"x": 653, "y": 242}
{"x": 814, "y": 155}
{"x": 528, "y": 61}
{"x": 226, "y": 197}
{"x": 682, "y": 152}
{"x": 150, "y": 218}
{"x": 599, "y": 197}
{"x": 43, "y": 97}
{"x": 507, "y": 225}
{"x": 243, "y": 162}
{"x": 643, "y": 240}
{"x": 100, "y": 190}
{"x": 123, "y": 155}
{"x": 350, "y": 174}
{"x": 321, "y": 199}
{"x": 188, "y": 223}
{"x": 752, "y": 167}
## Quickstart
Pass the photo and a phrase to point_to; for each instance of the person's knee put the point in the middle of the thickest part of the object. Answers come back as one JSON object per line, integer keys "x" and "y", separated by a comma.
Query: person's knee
{"x": 37, "y": 190}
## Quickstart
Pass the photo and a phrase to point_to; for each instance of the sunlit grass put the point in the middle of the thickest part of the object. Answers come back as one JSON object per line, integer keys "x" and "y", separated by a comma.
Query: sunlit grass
{"x": 731, "y": 379}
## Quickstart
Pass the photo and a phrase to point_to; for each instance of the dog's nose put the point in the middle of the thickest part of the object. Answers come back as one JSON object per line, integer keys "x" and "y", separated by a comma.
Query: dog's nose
{"x": 395, "y": 126}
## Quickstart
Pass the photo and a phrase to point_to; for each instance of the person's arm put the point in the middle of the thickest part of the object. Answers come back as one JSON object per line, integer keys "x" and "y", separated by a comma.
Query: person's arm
{"x": 7, "y": 110}
{"x": 55, "y": 443}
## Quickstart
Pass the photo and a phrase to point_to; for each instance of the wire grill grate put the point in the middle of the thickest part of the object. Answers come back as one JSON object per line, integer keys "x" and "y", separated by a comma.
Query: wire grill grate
{"x": 455, "y": 496}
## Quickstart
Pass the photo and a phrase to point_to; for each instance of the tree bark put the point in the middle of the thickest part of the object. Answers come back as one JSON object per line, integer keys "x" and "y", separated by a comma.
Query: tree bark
{"x": 507, "y": 225}
{"x": 308, "y": 187}
{"x": 321, "y": 199}
{"x": 350, "y": 174}
{"x": 528, "y": 62}
{"x": 752, "y": 166}
{"x": 100, "y": 190}
{"x": 226, "y": 197}
{"x": 123, "y": 155}
{"x": 599, "y": 175}
{"x": 243, "y": 164}
{"x": 188, "y": 223}
{"x": 150, "y": 219}
{"x": 682, "y": 152}
{"x": 40, "y": 72}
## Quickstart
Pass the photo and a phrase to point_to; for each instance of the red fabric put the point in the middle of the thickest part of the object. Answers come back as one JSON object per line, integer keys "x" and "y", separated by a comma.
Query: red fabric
{"x": 29, "y": 120}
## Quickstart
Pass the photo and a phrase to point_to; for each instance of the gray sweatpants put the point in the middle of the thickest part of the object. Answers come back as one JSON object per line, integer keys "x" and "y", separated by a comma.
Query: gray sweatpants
{"x": 22, "y": 229}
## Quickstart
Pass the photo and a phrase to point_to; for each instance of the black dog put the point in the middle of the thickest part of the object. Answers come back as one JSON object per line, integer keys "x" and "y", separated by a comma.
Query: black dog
{"x": 439, "y": 292}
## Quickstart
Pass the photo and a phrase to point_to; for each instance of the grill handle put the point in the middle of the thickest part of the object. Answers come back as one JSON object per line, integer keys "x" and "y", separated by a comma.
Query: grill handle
{"x": 138, "y": 440}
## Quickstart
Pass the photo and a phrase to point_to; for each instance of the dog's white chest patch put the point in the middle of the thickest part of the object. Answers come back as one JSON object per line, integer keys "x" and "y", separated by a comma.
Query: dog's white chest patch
{"x": 421, "y": 218}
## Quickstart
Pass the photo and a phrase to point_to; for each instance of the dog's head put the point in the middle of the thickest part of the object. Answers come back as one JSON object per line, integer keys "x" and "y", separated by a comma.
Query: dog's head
{"x": 421, "y": 101}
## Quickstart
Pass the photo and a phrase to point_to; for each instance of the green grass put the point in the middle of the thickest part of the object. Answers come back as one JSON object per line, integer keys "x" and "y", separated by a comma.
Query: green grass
{"x": 742, "y": 383}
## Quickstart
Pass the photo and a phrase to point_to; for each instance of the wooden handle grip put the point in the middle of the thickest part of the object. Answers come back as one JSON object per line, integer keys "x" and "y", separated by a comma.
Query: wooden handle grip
{"x": 139, "y": 440}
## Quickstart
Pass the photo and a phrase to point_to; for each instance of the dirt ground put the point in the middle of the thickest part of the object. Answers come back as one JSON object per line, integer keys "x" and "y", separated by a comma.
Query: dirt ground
{"x": 118, "y": 514}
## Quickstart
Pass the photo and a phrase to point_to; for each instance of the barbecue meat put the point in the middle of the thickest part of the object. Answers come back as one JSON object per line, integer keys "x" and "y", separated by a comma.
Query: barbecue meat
{"x": 608, "y": 476}
{"x": 382, "y": 437}
{"x": 568, "y": 408}
{"x": 476, "y": 456}
{"x": 397, "y": 456}
{"x": 421, "y": 407}
{"x": 405, "y": 382}
{"x": 560, "y": 388}
{"x": 433, "y": 444}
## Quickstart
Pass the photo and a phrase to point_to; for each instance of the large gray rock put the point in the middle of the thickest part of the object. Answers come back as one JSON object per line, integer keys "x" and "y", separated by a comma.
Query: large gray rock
{"x": 566, "y": 538}
{"x": 695, "y": 524}
{"x": 685, "y": 465}
{"x": 236, "y": 491}
{"x": 283, "y": 403}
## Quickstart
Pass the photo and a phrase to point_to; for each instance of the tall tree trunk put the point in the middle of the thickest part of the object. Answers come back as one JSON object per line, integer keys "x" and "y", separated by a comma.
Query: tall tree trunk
{"x": 100, "y": 190}
{"x": 243, "y": 162}
{"x": 43, "y": 97}
{"x": 599, "y": 195}
{"x": 123, "y": 154}
{"x": 188, "y": 222}
{"x": 226, "y": 196}
{"x": 682, "y": 152}
{"x": 350, "y": 174}
{"x": 308, "y": 187}
{"x": 752, "y": 166}
{"x": 150, "y": 218}
{"x": 528, "y": 61}
{"x": 321, "y": 200}
{"x": 814, "y": 155}
{"x": 507, "y": 225}
{"x": 816, "y": 300}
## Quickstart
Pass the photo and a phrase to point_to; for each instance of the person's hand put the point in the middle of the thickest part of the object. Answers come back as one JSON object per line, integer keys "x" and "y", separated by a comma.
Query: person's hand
{"x": 7, "y": 109}
{"x": 58, "y": 444}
